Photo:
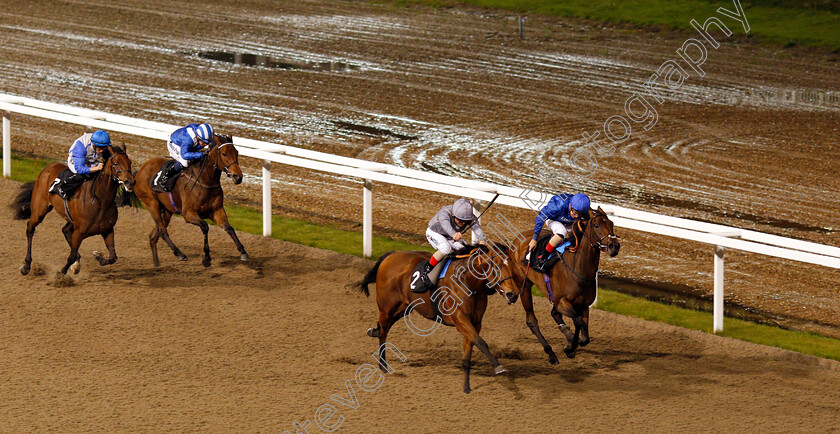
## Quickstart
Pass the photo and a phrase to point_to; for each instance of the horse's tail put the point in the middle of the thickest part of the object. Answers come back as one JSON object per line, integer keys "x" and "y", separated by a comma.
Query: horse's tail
{"x": 370, "y": 277}
{"x": 22, "y": 205}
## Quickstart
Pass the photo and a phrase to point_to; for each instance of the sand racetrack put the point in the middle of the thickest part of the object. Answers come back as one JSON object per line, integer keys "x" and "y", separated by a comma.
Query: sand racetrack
{"x": 256, "y": 346}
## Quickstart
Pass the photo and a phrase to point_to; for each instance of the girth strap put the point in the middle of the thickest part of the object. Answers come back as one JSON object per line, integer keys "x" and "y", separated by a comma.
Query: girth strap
{"x": 67, "y": 210}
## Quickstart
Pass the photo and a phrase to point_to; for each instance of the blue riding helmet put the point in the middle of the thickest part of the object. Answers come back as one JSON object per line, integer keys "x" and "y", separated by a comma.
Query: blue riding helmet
{"x": 100, "y": 138}
{"x": 204, "y": 133}
{"x": 580, "y": 202}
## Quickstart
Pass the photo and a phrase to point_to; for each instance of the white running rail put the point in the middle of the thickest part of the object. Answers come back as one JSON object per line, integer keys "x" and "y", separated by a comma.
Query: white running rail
{"x": 720, "y": 236}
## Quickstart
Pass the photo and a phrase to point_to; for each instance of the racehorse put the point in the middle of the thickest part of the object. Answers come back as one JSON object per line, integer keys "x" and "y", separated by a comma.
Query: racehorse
{"x": 90, "y": 211}
{"x": 570, "y": 284}
{"x": 197, "y": 195}
{"x": 459, "y": 301}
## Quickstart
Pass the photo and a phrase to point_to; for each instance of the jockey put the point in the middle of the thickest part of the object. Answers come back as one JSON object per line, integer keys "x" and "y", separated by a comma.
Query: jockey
{"x": 445, "y": 231}
{"x": 84, "y": 160}
{"x": 185, "y": 145}
{"x": 558, "y": 214}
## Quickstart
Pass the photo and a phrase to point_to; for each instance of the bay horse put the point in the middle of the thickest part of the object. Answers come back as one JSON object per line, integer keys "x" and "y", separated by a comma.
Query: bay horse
{"x": 90, "y": 211}
{"x": 570, "y": 284}
{"x": 459, "y": 301}
{"x": 197, "y": 195}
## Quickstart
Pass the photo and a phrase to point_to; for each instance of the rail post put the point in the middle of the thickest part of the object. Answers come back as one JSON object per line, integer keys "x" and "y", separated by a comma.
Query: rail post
{"x": 266, "y": 197}
{"x": 367, "y": 219}
{"x": 718, "y": 297}
{"x": 7, "y": 146}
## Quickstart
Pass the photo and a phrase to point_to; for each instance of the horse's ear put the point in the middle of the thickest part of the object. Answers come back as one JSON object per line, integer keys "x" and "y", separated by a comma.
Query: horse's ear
{"x": 601, "y": 211}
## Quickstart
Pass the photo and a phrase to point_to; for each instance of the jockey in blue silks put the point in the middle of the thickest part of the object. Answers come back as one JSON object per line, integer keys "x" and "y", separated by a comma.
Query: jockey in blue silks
{"x": 84, "y": 159}
{"x": 185, "y": 145}
{"x": 559, "y": 214}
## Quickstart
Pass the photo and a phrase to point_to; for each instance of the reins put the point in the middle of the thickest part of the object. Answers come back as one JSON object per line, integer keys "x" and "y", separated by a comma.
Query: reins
{"x": 216, "y": 164}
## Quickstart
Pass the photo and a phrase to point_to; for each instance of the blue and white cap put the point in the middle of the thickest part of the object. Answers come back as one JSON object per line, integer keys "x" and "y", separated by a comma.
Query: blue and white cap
{"x": 204, "y": 132}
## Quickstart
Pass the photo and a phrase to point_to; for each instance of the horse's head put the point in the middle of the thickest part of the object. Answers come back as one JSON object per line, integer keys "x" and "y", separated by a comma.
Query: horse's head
{"x": 496, "y": 266}
{"x": 600, "y": 233}
{"x": 225, "y": 156}
{"x": 118, "y": 167}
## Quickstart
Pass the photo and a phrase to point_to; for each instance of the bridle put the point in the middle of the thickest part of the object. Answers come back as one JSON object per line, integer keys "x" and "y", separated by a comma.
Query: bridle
{"x": 218, "y": 164}
{"x": 596, "y": 244}
{"x": 498, "y": 285}
{"x": 115, "y": 172}
{"x": 599, "y": 243}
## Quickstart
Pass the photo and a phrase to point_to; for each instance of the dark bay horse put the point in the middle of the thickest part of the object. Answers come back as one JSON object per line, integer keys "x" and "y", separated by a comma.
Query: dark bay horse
{"x": 92, "y": 210}
{"x": 572, "y": 281}
{"x": 460, "y": 301}
{"x": 197, "y": 195}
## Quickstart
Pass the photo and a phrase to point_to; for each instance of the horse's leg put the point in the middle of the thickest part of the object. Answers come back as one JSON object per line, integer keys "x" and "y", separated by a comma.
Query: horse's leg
{"x": 533, "y": 324}
{"x": 39, "y": 210}
{"x": 566, "y": 308}
{"x": 75, "y": 241}
{"x": 386, "y": 320}
{"x": 220, "y": 218}
{"x": 153, "y": 240}
{"x": 68, "y": 230}
{"x": 192, "y": 217}
{"x": 564, "y": 328}
{"x": 466, "y": 360}
{"x": 466, "y": 328}
{"x": 162, "y": 224}
{"x": 584, "y": 332}
{"x": 112, "y": 252}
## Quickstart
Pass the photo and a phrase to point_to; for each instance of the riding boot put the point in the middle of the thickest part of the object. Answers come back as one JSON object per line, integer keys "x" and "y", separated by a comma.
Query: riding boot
{"x": 160, "y": 185}
{"x": 538, "y": 262}
{"x": 66, "y": 188}
{"x": 433, "y": 273}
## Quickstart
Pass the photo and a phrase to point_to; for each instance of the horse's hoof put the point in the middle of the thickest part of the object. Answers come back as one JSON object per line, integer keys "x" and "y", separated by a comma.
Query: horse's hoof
{"x": 552, "y": 359}
{"x": 244, "y": 257}
{"x": 570, "y": 353}
{"x": 24, "y": 269}
{"x": 500, "y": 370}
{"x": 76, "y": 266}
{"x": 585, "y": 342}
{"x": 206, "y": 262}
{"x": 99, "y": 257}
{"x": 467, "y": 390}
{"x": 181, "y": 257}
{"x": 372, "y": 332}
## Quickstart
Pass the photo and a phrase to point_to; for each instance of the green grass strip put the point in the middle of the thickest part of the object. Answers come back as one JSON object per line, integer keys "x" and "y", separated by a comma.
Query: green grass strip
{"x": 808, "y": 343}
{"x": 249, "y": 220}
{"x": 784, "y": 23}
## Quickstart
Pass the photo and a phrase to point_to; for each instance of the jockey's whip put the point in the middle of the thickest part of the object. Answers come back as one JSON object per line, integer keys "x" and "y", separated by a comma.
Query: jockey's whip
{"x": 482, "y": 213}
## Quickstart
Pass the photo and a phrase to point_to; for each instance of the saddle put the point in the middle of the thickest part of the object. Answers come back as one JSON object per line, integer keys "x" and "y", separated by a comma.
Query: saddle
{"x": 169, "y": 180}
{"x": 420, "y": 282}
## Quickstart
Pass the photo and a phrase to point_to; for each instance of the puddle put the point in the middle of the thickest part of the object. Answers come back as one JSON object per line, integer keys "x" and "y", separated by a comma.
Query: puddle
{"x": 796, "y": 97}
{"x": 373, "y": 131}
{"x": 641, "y": 197}
{"x": 270, "y": 62}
